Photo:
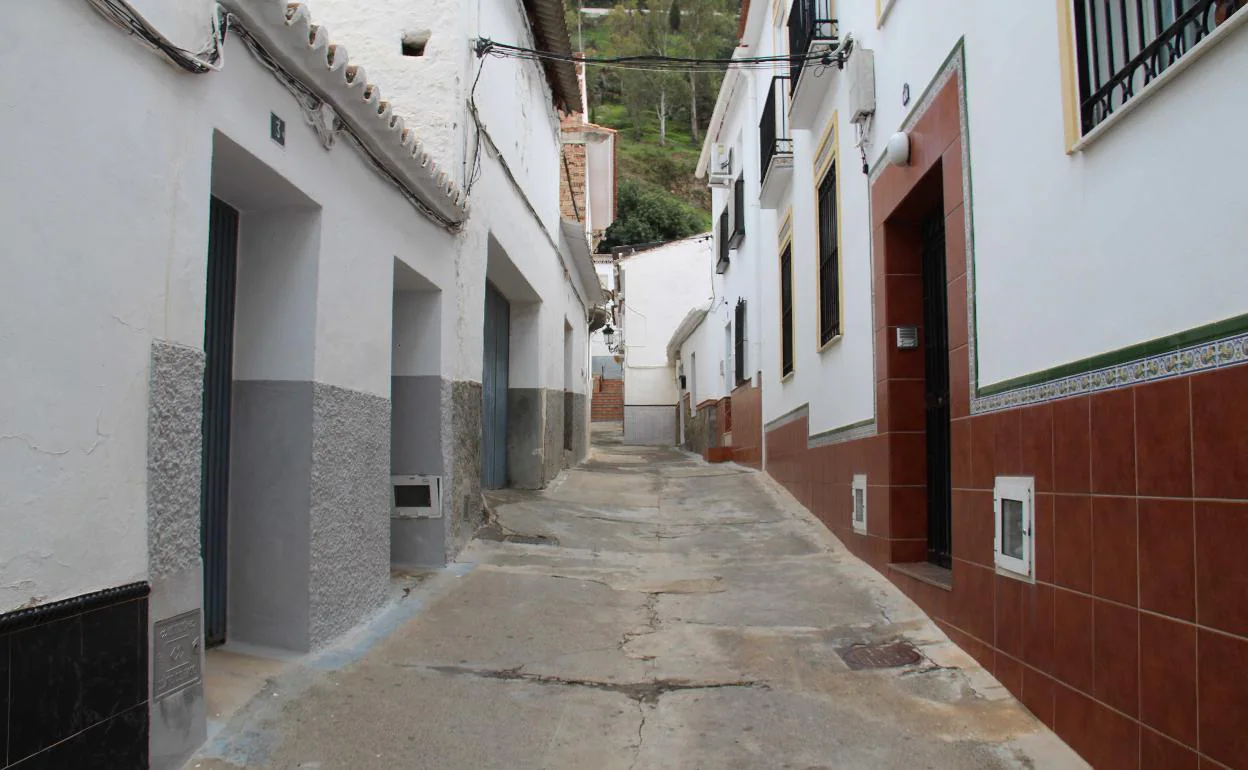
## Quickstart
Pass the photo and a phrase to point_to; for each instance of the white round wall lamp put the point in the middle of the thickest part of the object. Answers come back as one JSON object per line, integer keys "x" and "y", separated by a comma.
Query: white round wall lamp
{"x": 898, "y": 152}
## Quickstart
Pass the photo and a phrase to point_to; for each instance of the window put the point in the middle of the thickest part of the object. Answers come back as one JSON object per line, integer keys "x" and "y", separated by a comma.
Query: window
{"x": 786, "y": 311}
{"x": 859, "y": 511}
{"x": 1122, "y": 47}
{"x": 738, "y": 213}
{"x": 738, "y": 345}
{"x": 724, "y": 246}
{"x": 829, "y": 260}
{"x": 1013, "y": 502}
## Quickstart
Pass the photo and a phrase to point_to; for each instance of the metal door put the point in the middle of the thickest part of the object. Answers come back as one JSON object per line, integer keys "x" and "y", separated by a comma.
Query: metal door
{"x": 494, "y": 389}
{"x": 936, "y": 378}
{"x": 218, "y": 380}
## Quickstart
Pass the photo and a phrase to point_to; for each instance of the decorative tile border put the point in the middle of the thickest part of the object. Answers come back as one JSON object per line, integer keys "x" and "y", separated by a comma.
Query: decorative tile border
{"x": 846, "y": 433}
{"x": 1189, "y": 360}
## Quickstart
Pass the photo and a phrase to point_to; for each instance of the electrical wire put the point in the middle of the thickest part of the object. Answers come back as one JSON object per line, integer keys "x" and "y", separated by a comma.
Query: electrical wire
{"x": 652, "y": 63}
{"x": 123, "y": 15}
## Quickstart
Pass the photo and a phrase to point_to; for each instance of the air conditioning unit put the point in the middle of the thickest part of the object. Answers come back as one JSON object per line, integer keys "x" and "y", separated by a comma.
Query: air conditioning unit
{"x": 416, "y": 497}
{"x": 721, "y": 171}
{"x": 860, "y": 71}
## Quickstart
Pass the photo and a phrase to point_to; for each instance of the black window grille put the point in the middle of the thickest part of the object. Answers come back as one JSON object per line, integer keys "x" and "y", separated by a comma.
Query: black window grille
{"x": 773, "y": 129}
{"x": 738, "y": 213}
{"x": 1123, "y": 45}
{"x": 810, "y": 22}
{"x": 829, "y": 260}
{"x": 724, "y": 246}
{"x": 786, "y": 311}
{"x": 738, "y": 341}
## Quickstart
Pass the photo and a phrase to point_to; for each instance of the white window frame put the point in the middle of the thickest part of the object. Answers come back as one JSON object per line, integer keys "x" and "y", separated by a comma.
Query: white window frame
{"x": 1020, "y": 488}
{"x": 859, "y": 484}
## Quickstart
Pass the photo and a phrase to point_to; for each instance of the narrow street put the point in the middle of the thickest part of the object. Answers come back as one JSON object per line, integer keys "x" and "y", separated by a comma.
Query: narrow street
{"x": 646, "y": 611}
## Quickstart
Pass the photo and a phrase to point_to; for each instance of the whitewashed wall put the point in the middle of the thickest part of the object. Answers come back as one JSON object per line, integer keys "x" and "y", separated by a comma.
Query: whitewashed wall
{"x": 1075, "y": 255}
{"x": 661, "y": 286}
{"x": 129, "y": 268}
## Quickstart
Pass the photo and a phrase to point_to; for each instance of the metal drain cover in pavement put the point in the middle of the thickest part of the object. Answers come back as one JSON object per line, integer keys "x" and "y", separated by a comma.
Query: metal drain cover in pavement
{"x": 530, "y": 539}
{"x": 883, "y": 655}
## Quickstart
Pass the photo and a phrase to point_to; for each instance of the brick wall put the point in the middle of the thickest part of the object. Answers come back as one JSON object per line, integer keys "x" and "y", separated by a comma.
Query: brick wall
{"x": 607, "y": 401}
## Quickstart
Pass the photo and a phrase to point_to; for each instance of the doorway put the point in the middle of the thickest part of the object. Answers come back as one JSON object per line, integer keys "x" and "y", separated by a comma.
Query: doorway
{"x": 936, "y": 391}
{"x": 494, "y": 384}
{"x": 218, "y": 384}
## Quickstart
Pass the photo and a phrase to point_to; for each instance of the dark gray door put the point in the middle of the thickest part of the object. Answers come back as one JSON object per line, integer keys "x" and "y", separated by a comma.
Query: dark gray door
{"x": 494, "y": 390}
{"x": 218, "y": 380}
{"x": 936, "y": 380}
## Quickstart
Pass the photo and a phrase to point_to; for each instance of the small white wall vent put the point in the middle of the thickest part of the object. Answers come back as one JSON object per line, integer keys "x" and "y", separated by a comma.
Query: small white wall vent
{"x": 1014, "y": 502}
{"x": 416, "y": 497}
{"x": 860, "y": 70}
{"x": 859, "y": 491}
{"x": 721, "y": 169}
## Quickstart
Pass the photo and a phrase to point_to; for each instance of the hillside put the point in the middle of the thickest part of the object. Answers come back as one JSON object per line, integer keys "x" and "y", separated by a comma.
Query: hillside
{"x": 659, "y": 157}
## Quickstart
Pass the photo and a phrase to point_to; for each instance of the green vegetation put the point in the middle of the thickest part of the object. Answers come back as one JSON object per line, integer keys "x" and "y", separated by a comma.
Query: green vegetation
{"x": 661, "y": 115}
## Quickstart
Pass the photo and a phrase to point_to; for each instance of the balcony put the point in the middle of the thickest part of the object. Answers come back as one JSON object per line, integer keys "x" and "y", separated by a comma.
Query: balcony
{"x": 811, "y": 29}
{"x": 775, "y": 144}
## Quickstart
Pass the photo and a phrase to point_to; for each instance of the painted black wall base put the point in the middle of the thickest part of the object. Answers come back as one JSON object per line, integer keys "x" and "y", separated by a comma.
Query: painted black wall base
{"x": 74, "y": 682}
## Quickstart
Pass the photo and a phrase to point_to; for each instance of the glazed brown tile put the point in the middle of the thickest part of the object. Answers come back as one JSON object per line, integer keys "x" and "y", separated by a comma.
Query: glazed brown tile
{"x": 1074, "y": 722}
{"x": 984, "y": 451}
{"x": 973, "y": 526}
{"x": 1219, "y": 414}
{"x": 1009, "y": 453}
{"x": 1163, "y": 438}
{"x": 1158, "y": 752}
{"x": 883, "y": 409}
{"x": 955, "y": 242}
{"x": 1223, "y": 698}
{"x": 1113, "y": 442}
{"x": 1036, "y": 438}
{"x": 1037, "y": 612}
{"x": 1168, "y": 677}
{"x": 1167, "y": 558}
{"x": 1114, "y": 552}
{"x": 906, "y": 405}
{"x": 892, "y": 363}
{"x": 960, "y": 446}
{"x": 907, "y": 459}
{"x": 1009, "y": 616}
{"x": 903, "y": 249}
{"x": 958, "y": 329}
{"x": 1071, "y": 445}
{"x": 907, "y": 552}
{"x": 1072, "y": 639}
{"x": 1009, "y": 672}
{"x": 1221, "y": 566}
{"x": 1072, "y": 542}
{"x": 903, "y": 300}
{"x": 908, "y": 513}
{"x": 951, "y": 167}
{"x": 1042, "y": 534}
{"x": 1037, "y": 695}
{"x": 959, "y": 383}
{"x": 1116, "y": 633}
{"x": 973, "y": 589}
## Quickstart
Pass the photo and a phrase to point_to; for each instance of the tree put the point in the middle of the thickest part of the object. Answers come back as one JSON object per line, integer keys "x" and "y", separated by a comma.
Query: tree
{"x": 673, "y": 16}
{"x": 635, "y": 31}
{"x": 709, "y": 33}
{"x": 648, "y": 214}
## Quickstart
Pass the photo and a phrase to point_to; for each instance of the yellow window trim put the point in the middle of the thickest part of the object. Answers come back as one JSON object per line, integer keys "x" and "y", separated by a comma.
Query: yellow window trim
{"x": 1070, "y": 86}
{"x": 786, "y": 242}
{"x": 829, "y": 157}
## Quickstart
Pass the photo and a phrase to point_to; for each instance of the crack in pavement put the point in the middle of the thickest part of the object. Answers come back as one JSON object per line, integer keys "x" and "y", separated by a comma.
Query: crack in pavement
{"x": 647, "y": 692}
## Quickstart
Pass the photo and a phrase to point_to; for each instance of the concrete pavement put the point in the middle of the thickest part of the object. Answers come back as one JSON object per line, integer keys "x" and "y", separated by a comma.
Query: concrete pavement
{"x": 645, "y": 611}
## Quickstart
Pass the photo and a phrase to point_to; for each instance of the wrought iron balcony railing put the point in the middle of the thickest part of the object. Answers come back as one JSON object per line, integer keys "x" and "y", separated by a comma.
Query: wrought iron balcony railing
{"x": 773, "y": 130}
{"x": 1123, "y": 45}
{"x": 810, "y": 22}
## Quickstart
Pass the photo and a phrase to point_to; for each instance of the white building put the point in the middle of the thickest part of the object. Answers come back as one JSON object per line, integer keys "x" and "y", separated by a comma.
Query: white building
{"x": 658, "y": 287}
{"x": 994, "y": 313}
{"x": 246, "y": 287}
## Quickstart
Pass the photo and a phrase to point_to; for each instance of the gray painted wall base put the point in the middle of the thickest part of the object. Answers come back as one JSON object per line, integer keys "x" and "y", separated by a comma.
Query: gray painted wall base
{"x": 174, "y": 446}
{"x": 421, "y": 415}
{"x": 553, "y": 433}
{"x": 526, "y": 415}
{"x": 418, "y": 543}
{"x": 650, "y": 425}
{"x": 462, "y": 455}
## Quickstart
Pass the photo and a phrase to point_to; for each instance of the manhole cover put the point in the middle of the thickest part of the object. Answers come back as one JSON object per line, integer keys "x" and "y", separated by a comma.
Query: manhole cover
{"x": 885, "y": 655}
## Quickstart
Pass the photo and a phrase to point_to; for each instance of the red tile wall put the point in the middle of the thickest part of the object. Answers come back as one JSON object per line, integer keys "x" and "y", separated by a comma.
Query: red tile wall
{"x": 747, "y": 425}
{"x": 1132, "y": 643}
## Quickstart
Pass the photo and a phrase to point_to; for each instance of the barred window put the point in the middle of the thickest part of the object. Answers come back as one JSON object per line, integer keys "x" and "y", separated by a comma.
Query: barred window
{"x": 829, "y": 260}
{"x": 786, "y": 311}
